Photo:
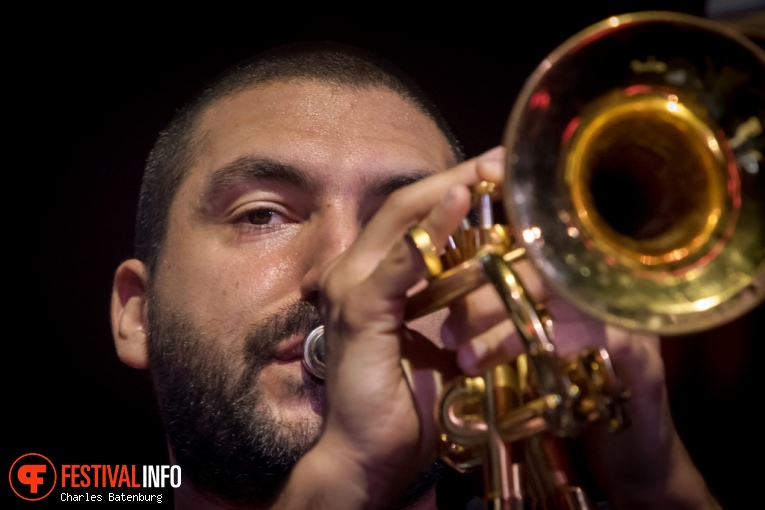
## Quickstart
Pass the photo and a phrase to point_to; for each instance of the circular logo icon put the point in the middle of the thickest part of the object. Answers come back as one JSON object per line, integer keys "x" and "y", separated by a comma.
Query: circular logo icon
{"x": 32, "y": 476}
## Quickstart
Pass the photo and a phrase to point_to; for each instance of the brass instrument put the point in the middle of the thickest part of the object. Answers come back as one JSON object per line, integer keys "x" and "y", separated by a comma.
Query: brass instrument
{"x": 635, "y": 187}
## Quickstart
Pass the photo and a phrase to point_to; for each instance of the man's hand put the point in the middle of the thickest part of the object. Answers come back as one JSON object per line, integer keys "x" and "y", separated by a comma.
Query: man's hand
{"x": 643, "y": 466}
{"x": 379, "y": 431}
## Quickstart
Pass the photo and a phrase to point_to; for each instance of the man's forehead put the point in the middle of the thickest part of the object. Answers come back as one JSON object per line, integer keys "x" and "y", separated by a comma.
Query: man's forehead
{"x": 308, "y": 122}
{"x": 348, "y": 141}
{"x": 311, "y": 99}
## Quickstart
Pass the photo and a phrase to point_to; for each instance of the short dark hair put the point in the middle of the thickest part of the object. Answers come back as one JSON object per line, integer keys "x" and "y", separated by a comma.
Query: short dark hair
{"x": 175, "y": 149}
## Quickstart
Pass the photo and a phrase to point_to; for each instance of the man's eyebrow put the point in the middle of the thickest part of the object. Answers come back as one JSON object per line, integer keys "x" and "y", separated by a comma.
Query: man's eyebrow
{"x": 390, "y": 184}
{"x": 249, "y": 168}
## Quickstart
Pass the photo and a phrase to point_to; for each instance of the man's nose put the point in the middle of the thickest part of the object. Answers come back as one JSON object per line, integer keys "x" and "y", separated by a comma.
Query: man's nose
{"x": 333, "y": 235}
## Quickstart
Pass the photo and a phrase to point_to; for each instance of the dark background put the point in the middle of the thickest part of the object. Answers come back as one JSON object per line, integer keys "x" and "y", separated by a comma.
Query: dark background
{"x": 86, "y": 94}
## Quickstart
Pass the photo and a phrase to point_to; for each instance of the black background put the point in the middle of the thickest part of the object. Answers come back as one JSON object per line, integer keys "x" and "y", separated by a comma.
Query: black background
{"x": 86, "y": 94}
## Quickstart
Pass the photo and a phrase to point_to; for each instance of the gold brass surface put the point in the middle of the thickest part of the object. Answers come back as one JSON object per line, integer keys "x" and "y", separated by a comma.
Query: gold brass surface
{"x": 429, "y": 252}
{"x": 635, "y": 173}
{"x": 628, "y": 145}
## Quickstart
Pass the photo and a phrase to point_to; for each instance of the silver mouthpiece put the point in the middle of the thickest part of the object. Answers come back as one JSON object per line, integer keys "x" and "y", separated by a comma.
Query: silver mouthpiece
{"x": 313, "y": 352}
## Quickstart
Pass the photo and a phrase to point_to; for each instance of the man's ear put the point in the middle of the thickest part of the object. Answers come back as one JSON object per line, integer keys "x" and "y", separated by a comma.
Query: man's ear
{"x": 129, "y": 312}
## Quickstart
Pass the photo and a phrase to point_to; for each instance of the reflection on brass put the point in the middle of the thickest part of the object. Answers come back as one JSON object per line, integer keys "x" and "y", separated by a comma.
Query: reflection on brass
{"x": 640, "y": 199}
{"x": 429, "y": 252}
{"x": 638, "y": 193}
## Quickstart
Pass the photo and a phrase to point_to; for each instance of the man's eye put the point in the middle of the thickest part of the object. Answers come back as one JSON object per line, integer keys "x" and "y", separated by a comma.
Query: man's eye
{"x": 262, "y": 217}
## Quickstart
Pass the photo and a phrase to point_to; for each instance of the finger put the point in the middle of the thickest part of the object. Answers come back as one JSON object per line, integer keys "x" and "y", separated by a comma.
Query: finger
{"x": 412, "y": 203}
{"x": 470, "y": 316}
{"x": 376, "y": 304}
{"x": 405, "y": 265}
{"x": 573, "y": 329}
{"x": 408, "y": 206}
{"x": 499, "y": 344}
{"x": 481, "y": 320}
{"x": 532, "y": 281}
{"x": 483, "y": 308}
{"x": 487, "y": 168}
{"x": 427, "y": 368}
{"x": 636, "y": 355}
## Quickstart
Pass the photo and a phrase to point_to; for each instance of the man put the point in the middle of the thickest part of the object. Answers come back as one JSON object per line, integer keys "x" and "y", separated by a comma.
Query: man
{"x": 279, "y": 201}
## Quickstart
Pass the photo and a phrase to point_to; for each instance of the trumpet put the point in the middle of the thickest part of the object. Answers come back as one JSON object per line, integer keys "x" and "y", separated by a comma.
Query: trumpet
{"x": 634, "y": 186}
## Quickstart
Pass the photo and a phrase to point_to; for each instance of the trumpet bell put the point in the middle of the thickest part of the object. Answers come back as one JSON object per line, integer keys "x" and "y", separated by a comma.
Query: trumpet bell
{"x": 635, "y": 172}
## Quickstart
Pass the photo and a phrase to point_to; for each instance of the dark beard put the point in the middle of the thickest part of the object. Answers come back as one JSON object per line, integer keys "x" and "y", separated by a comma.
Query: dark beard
{"x": 224, "y": 445}
{"x": 227, "y": 448}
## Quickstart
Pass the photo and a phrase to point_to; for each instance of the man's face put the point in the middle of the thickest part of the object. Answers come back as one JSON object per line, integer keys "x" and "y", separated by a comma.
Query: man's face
{"x": 286, "y": 175}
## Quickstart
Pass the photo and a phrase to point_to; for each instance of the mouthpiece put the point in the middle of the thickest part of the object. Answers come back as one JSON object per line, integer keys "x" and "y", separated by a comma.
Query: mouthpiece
{"x": 313, "y": 352}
